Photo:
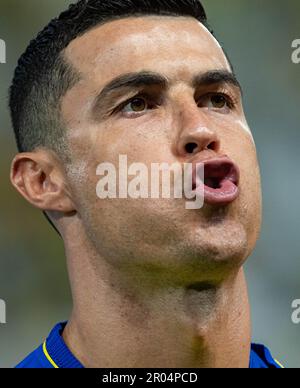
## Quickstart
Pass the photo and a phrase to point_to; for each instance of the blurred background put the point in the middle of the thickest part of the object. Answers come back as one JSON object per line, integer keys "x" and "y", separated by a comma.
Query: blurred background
{"x": 257, "y": 36}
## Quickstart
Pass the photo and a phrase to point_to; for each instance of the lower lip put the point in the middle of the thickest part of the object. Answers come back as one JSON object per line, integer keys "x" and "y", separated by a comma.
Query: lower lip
{"x": 226, "y": 194}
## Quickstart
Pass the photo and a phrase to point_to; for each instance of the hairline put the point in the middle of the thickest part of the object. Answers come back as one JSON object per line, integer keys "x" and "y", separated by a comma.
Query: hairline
{"x": 63, "y": 53}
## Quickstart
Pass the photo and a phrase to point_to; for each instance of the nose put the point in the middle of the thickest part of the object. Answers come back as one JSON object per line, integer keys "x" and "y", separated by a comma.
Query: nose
{"x": 197, "y": 136}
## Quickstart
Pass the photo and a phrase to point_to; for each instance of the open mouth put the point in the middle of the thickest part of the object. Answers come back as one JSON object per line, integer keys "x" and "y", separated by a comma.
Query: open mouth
{"x": 221, "y": 181}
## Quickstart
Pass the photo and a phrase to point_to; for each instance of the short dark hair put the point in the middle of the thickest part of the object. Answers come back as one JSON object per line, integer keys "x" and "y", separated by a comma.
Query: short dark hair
{"x": 43, "y": 75}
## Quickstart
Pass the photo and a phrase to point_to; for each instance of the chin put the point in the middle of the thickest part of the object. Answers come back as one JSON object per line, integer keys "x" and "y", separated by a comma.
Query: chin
{"x": 220, "y": 243}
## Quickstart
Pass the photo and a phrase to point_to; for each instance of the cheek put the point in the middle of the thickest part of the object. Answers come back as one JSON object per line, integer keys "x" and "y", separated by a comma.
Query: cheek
{"x": 142, "y": 140}
{"x": 250, "y": 171}
{"x": 250, "y": 185}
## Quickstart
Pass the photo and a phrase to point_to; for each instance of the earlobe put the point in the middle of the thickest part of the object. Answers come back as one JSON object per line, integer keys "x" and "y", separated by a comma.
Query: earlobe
{"x": 38, "y": 178}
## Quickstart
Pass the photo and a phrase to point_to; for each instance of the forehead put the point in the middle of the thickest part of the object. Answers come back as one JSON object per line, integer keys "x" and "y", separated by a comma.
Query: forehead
{"x": 174, "y": 46}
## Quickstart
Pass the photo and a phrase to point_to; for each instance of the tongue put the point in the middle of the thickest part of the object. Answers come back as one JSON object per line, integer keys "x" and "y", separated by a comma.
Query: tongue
{"x": 226, "y": 192}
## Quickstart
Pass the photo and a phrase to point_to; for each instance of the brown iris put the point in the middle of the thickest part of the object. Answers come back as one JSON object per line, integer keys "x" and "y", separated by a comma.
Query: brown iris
{"x": 138, "y": 105}
{"x": 218, "y": 101}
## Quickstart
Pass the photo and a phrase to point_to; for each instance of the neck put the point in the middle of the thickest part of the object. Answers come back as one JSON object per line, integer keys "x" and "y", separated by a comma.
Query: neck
{"x": 117, "y": 325}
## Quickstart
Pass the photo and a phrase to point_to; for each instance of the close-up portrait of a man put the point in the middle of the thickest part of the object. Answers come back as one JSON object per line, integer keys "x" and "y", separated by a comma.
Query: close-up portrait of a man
{"x": 133, "y": 142}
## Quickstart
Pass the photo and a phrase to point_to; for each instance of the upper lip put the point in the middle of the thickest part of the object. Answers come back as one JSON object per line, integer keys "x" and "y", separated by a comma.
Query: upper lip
{"x": 217, "y": 170}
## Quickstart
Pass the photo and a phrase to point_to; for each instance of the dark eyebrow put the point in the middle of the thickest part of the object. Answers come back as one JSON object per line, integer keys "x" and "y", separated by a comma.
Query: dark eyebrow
{"x": 216, "y": 77}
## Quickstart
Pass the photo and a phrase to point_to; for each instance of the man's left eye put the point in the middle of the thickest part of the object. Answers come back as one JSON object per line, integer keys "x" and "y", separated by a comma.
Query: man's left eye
{"x": 215, "y": 101}
{"x": 218, "y": 101}
{"x": 137, "y": 105}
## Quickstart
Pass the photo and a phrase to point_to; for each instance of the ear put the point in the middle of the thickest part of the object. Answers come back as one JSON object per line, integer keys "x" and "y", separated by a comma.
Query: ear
{"x": 39, "y": 177}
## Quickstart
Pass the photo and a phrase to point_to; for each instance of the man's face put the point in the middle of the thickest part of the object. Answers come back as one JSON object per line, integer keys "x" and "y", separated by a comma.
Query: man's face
{"x": 159, "y": 123}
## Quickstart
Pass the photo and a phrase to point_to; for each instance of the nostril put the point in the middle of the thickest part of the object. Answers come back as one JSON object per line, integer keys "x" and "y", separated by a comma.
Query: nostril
{"x": 191, "y": 147}
{"x": 213, "y": 146}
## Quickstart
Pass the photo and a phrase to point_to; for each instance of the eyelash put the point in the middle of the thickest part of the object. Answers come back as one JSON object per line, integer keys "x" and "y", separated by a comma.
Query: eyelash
{"x": 146, "y": 97}
{"x": 230, "y": 100}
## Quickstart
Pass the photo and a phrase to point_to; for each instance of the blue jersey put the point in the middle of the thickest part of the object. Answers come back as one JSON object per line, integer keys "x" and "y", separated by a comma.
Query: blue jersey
{"x": 54, "y": 353}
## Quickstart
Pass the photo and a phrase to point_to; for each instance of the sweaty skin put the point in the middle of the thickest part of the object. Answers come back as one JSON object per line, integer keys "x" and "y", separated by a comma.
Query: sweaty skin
{"x": 154, "y": 284}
